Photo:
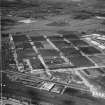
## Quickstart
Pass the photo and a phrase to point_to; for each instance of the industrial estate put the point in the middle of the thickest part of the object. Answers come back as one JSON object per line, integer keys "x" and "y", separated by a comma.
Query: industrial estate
{"x": 56, "y": 62}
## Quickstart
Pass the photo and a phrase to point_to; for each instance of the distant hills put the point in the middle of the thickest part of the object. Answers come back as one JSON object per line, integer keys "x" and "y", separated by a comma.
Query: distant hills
{"x": 93, "y": 4}
{"x": 29, "y": 1}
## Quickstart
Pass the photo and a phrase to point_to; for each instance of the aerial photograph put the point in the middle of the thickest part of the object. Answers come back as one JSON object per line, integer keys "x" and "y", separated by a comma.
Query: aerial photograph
{"x": 52, "y": 52}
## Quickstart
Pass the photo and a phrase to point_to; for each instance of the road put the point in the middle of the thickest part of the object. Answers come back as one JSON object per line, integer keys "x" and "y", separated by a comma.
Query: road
{"x": 32, "y": 78}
